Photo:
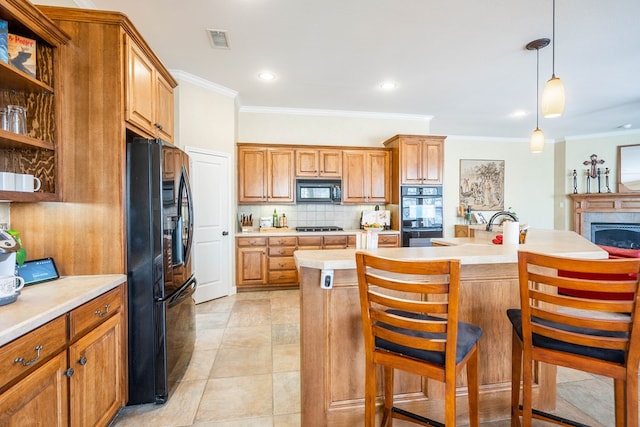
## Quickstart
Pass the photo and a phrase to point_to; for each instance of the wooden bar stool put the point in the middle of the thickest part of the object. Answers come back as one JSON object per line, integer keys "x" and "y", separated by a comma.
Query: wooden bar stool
{"x": 599, "y": 336}
{"x": 410, "y": 322}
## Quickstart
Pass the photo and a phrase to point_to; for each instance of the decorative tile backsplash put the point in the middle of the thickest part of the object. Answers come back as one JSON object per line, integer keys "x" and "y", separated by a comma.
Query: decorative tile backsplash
{"x": 305, "y": 215}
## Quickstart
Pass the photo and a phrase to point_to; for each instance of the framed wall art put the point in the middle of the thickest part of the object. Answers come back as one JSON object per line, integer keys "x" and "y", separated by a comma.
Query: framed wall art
{"x": 482, "y": 184}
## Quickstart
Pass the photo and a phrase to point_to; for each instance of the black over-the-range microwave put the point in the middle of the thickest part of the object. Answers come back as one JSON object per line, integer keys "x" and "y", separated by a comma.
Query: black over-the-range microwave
{"x": 318, "y": 191}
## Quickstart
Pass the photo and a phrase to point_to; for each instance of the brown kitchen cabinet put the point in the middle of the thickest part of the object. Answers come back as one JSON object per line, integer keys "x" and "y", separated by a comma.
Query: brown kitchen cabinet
{"x": 251, "y": 261}
{"x": 74, "y": 381}
{"x": 36, "y": 152}
{"x": 419, "y": 159}
{"x": 282, "y": 266}
{"x": 265, "y": 175}
{"x": 323, "y": 163}
{"x": 149, "y": 95}
{"x": 366, "y": 176}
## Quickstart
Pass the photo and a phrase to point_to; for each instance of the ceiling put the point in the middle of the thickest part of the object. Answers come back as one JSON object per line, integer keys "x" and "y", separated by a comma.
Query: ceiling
{"x": 461, "y": 62}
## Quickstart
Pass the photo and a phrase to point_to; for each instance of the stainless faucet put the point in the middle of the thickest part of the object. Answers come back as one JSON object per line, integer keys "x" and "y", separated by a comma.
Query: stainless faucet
{"x": 499, "y": 214}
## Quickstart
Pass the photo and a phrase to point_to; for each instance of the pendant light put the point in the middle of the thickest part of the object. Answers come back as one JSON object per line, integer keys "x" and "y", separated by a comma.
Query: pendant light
{"x": 553, "y": 95}
{"x": 537, "y": 137}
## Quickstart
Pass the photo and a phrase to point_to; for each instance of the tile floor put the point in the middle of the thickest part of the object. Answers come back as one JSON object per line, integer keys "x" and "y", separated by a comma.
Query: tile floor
{"x": 245, "y": 372}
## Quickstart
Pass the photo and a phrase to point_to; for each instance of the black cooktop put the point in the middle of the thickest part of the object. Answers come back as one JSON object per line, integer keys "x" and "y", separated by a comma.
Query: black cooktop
{"x": 319, "y": 228}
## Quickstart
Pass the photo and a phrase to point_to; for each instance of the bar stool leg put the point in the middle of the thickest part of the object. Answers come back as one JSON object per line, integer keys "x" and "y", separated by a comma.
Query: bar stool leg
{"x": 474, "y": 389}
{"x": 516, "y": 372}
{"x": 387, "y": 418}
{"x": 370, "y": 394}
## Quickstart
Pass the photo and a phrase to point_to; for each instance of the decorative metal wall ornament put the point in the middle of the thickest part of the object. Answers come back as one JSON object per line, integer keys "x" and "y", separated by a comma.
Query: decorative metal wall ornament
{"x": 575, "y": 182}
{"x": 606, "y": 179}
{"x": 593, "y": 172}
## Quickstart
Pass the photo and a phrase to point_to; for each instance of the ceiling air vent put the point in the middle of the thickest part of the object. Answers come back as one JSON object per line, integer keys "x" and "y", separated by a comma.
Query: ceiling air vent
{"x": 219, "y": 39}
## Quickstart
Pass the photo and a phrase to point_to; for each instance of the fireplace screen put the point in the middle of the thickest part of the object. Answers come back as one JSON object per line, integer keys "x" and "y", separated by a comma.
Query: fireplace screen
{"x": 620, "y": 235}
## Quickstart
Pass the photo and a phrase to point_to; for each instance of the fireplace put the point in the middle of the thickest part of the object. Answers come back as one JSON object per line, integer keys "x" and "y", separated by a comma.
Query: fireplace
{"x": 619, "y": 235}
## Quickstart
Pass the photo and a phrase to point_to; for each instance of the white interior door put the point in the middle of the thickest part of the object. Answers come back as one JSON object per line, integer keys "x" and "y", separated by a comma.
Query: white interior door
{"x": 210, "y": 185}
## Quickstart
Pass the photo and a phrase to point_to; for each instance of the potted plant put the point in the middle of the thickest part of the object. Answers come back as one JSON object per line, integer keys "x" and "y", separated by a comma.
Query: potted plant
{"x": 21, "y": 254}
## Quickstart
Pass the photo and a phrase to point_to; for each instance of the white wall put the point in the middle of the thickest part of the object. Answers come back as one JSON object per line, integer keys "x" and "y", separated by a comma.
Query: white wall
{"x": 528, "y": 183}
{"x": 309, "y": 127}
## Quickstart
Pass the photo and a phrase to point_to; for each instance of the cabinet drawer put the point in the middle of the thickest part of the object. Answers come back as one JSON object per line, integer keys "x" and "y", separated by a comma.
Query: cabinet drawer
{"x": 334, "y": 241}
{"x": 314, "y": 242}
{"x": 32, "y": 349}
{"x": 282, "y": 263}
{"x": 282, "y": 250}
{"x": 282, "y": 241}
{"x": 287, "y": 276}
{"x": 94, "y": 312}
{"x": 252, "y": 241}
{"x": 388, "y": 240}
{"x": 351, "y": 241}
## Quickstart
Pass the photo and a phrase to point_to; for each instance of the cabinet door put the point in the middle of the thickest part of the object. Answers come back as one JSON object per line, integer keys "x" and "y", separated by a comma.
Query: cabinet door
{"x": 280, "y": 175}
{"x": 307, "y": 163}
{"x": 97, "y": 385}
{"x": 252, "y": 266}
{"x": 140, "y": 89}
{"x": 378, "y": 182}
{"x": 353, "y": 177}
{"x": 164, "y": 108}
{"x": 432, "y": 159}
{"x": 411, "y": 162}
{"x": 252, "y": 186}
{"x": 40, "y": 398}
{"x": 330, "y": 163}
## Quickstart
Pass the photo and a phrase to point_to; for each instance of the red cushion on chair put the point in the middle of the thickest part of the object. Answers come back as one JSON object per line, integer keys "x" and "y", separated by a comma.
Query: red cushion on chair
{"x": 620, "y": 252}
{"x": 613, "y": 253}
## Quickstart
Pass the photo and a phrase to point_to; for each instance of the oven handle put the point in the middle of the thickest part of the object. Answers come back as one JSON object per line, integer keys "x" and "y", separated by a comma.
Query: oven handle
{"x": 183, "y": 293}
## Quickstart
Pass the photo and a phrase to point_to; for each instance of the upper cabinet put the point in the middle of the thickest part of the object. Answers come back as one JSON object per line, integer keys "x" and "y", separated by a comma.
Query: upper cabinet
{"x": 365, "y": 176}
{"x": 35, "y": 152}
{"x": 150, "y": 106}
{"x": 265, "y": 174}
{"x": 420, "y": 158}
{"x": 324, "y": 163}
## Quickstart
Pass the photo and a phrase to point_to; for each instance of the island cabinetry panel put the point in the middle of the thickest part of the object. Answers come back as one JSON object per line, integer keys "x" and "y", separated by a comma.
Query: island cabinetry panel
{"x": 265, "y": 175}
{"x": 420, "y": 159}
{"x": 319, "y": 163}
{"x": 149, "y": 95}
{"x": 65, "y": 375}
{"x": 37, "y": 151}
{"x": 365, "y": 176}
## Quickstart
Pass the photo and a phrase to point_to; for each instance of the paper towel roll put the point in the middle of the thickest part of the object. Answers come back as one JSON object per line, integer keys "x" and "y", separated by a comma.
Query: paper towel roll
{"x": 510, "y": 233}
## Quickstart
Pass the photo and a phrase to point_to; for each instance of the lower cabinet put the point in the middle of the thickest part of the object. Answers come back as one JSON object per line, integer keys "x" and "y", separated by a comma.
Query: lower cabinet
{"x": 264, "y": 263}
{"x": 77, "y": 381}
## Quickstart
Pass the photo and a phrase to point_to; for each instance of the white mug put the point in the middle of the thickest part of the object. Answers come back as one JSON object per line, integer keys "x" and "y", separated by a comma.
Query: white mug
{"x": 7, "y": 181}
{"x": 9, "y": 285}
{"x": 27, "y": 182}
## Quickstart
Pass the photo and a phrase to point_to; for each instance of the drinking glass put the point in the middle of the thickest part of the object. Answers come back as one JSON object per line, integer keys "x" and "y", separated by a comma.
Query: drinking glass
{"x": 4, "y": 119}
{"x": 17, "y": 119}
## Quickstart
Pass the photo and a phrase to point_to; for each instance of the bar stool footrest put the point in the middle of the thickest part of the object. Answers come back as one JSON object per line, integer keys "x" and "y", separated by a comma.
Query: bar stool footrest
{"x": 541, "y": 415}
{"x": 415, "y": 417}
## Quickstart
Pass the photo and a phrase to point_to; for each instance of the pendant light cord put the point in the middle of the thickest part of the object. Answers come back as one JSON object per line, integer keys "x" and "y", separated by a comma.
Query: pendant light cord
{"x": 537, "y": 85}
{"x": 553, "y": 40}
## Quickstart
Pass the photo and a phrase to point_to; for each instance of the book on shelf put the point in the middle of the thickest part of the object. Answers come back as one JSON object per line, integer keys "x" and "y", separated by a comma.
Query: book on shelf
{"x": 22, "y": 54}
{"x": 4, "y": 41}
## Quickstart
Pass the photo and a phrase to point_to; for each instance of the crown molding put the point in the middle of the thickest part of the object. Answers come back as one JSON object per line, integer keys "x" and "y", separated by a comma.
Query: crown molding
{"x": 206, "y": 84}
{"x": 333, "y": 113}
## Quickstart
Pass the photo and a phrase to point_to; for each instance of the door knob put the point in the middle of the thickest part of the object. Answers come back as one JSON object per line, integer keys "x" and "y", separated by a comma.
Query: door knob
{"x": 225, "y": 233}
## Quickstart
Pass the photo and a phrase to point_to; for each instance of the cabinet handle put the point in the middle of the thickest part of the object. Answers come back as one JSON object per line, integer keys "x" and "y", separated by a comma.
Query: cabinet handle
{"x": 69, "y": 373}
{"x": 30, "y": 362}
{"x": 102, "y": 313}
{"x": 83, "y": 361}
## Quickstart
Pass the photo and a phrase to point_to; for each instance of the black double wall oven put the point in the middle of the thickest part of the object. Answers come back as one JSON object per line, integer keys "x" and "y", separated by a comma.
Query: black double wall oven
{"x": 421, "y": 209}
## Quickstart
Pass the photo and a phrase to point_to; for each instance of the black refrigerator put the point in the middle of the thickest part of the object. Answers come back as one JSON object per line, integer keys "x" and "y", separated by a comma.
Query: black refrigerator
{"x": 160, "y": 279}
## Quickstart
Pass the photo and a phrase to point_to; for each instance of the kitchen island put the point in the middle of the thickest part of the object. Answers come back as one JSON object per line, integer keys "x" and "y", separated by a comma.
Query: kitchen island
{"x": 332, "y": 353}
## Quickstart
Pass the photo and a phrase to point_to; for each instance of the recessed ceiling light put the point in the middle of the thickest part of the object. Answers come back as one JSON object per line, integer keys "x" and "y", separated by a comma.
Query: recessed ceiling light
{"x": 626, "y": 126}
{"x": 266, "y": 76}
{"x": 518, "y": 114}
{"x": 388, "y": 85}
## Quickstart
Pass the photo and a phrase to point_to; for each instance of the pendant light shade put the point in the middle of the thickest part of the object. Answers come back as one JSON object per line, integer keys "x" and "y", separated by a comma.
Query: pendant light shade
{"x": 553, "y": 98}
{"x": 553, "y": 94}
{"x": 537, "y": 141}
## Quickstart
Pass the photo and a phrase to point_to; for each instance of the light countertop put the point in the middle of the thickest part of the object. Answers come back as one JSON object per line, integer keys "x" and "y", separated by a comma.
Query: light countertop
{"x": 38, "y": 304}
{"x": 467, "y": 249}
{"x": 293, "y": 232}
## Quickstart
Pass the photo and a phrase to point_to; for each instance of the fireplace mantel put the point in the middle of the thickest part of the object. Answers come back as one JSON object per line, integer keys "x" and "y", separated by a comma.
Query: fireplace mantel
{"x": 602, "y": 203}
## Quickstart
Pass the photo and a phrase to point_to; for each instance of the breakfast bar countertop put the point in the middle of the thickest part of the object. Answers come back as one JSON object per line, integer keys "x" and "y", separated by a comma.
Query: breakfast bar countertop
{"x": 469, "y": 250}
{"x": 38, "y": 304}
